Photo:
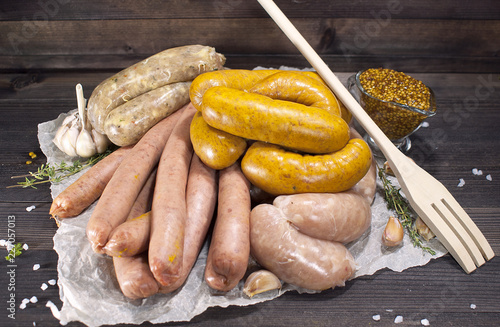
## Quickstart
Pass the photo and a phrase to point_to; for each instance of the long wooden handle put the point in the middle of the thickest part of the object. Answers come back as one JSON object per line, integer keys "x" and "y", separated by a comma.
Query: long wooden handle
{"x": 382, "y": 141}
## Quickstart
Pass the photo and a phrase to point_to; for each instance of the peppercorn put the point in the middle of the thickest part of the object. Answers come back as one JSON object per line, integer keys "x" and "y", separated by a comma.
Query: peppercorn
{"x": 398, "y": 103}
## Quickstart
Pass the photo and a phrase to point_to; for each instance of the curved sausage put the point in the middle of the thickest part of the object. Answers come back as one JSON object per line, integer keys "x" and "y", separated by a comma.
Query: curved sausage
{"x": 88, "y": 187}
{"x": 229, "y": 249}
{"x": 277, "y": 171}
{"x": 180, "y": 64}
{"x": 168, "y": 213}
{"x": 134, "y": 277}
{"x": 217, "y": 149}
{"x": 294, "y": 257}
{"x": 127, "y": 181}
{"x": 201, "y": 198}
{"x": 341, "y": 217}
{"x": 285, "y": 123}
{"x": 127, "y": 123}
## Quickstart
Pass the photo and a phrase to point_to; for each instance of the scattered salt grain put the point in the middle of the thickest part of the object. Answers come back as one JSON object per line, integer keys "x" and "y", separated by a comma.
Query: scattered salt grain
{"x": 36, "y": 266}
{"x": 376, "y": 317}
{"x": 473, "y": 306}
{"x": 477, "y": 172}
{"x": 425, "y": 322}
{"x": 52, "y": 282}
{"x": 44, "y": 287}
{"x": 34, "y": 299}
{"x": 461, "y": 182}
{"x": 425, "y": 124}
{"x": 30, "y": 208}
{"x": 488, "y": 177}
{"x": 398, "y": 319}
{"x": 3, "y": 243}
{"x": 54, "y": 309}
{"x": 389, "y": 310}
{"x": 25, "y": 301}
{"x": 25, "y": 247}
{"x": 34, "y": 323}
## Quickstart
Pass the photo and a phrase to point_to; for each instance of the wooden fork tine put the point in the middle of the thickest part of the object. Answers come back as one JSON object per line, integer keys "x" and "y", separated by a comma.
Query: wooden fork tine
{"x": 456, "y": 226}
{"x": 446, "y": 236}
{"x": 451, "y": 203}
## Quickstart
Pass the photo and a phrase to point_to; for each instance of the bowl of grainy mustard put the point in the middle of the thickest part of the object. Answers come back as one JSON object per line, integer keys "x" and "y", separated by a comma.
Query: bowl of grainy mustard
{"x": 397, "y": 102}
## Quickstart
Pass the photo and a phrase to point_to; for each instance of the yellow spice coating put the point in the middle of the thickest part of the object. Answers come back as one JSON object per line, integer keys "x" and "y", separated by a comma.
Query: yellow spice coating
{"x": 257, "y": 117}
{"x": 300, "y": 88}
{"x": 277, "y": 171}
{"x": 215, "y": 148}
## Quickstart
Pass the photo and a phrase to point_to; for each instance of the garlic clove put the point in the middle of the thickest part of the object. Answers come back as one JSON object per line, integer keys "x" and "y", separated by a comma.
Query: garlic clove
{"x": 261, "y": 281}
{"x": 68, "y": 140}
{"x": 85, "y": 146}
{"x": 66, "y": 124}
{"x": 101, "y": 141}
{"x": 393, "y": 232}
{"x": 423, "y": 229}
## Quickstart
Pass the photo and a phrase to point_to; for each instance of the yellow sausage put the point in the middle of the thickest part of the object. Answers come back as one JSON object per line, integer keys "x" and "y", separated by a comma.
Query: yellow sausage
{"x": 215, "y": 148}
{"x": 240, "y": 79}
{"x": 257, "y": 117}
{"x": 298, "y": 87}
{"x": 277, "y": 171}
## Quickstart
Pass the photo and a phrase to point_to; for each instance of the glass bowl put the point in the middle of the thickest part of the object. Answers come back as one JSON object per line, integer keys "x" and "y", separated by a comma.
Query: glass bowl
{"x": 398, "y": 121}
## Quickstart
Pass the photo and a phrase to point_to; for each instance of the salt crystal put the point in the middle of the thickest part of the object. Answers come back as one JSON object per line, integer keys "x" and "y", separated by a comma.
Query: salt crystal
{"x": 23, "y": 303}
{"x": 52, "y": 282}
{"x": 477, "y": 172}
{"x": 25, "y": 247}
{"x": 389, "y": 310}
{"x": 34, "y": 299}
{"x": 425, "y": 124}
{"x": 44, "y": 287}
{"x": 376, "y": 317}
{"x": 461, "y": 182}
{"x": 34, "y": 323}
{"x": 425, "y": 322}
{"x": 488, "y": 177}
{"x": 398, "y": 319}
{"x": 3, "y": 242}
{"x": 30, "y": 208}
{"x": 473, "y": 306}
{"x": 36, "y": 266}
{"x": 54, "y": 309}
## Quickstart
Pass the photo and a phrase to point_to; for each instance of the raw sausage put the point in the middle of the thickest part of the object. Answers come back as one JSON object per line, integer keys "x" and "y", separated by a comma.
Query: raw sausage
{"x": 88, "y": 187}
{"x": 129, "y": 122}
{"x": 285, "y": 123}
{"x": 180, "y": 64}
{"x": 168, "y": 213}
{"x": 229, "y": 249}
{"x": 201, "y": 198}
{"x": 132, "y": 237}
{"x": 294, "y": 257}
{"x": 134, "y": 277}
{"x": 217, "y": 149}
{"x": 126, "y": 183}
{"x": 277, "y": 171}
{"x": 341, "y": 217}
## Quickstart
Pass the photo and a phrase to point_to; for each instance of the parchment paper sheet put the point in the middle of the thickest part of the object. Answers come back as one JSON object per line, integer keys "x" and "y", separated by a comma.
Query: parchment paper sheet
{"x": 90, "y": 293}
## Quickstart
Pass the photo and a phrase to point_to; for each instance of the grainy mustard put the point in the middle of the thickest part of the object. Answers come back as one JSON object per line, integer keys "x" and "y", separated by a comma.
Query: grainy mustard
{"x": 394, "y": 87}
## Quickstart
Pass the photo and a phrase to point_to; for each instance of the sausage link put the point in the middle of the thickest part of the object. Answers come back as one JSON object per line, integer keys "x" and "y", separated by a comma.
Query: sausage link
{"x": 201, "y": 198}
{"x": 168, "y": 213}
{"x": 132, "y": 236}
{"x": 229, "y": 249}
{"x": 217, "y": 149}
{"x": 180, "y": 64}
{"x": 134, "y": 277}
{"x": 122, "y": 190}
{"x": 285, "y": 123}
{"x": 88, "y": 187}
{"x": 341, "y": 217}
{"x": 127, "y": 123}
{"x": 294, "y": 257}
{"x": 278, "y": 171}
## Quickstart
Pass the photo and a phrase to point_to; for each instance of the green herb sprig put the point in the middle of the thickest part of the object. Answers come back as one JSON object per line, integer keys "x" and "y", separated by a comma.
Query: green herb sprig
{"x": 14, "y": 252}
{"x": 397, "y": 202}
{"x": 55, "y": 173}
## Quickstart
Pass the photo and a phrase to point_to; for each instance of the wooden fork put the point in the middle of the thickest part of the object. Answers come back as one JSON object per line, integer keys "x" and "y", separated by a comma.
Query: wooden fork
{"x": 427, "y": 196}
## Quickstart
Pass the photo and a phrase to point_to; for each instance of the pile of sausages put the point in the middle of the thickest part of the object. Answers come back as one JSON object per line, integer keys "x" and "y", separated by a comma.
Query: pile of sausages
{"x": 157, "y": 198}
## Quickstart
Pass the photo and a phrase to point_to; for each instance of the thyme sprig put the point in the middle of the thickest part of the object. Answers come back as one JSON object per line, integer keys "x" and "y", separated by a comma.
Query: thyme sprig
{"x": 55, "y": 173}
{"x": 397, "y": 202}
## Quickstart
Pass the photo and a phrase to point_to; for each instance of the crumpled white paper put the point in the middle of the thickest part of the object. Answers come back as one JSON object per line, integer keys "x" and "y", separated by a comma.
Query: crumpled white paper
{"x": 90, "y": 293}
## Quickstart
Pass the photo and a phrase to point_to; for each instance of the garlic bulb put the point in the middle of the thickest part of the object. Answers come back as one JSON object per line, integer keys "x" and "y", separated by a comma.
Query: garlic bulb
{"x": 76, "y": 137}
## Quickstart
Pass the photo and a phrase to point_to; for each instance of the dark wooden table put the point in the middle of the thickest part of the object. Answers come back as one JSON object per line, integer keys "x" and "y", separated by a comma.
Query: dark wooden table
{"x": 463, "y": 135}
